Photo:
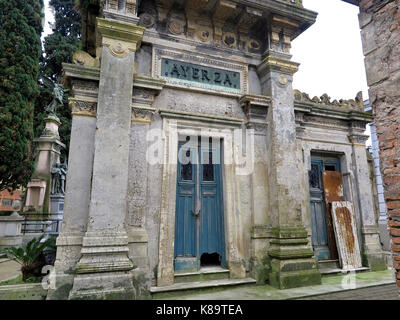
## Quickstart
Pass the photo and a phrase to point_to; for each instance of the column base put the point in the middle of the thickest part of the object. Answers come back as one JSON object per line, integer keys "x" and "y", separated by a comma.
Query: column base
{"x": 293, "y": 262}
{"x": 376, "y": 261}
{"x": 295, "y": 279}
{"x": 106, "y": 286}
{"x": 373, "y": 255}
{"x": 69, "y": 247}
{"x": 104, "y": 269}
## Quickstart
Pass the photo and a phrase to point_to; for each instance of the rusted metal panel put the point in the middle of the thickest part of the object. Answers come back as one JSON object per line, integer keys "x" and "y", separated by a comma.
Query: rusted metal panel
{"x": 333, "y": 186}
{"x": 346, "y": 234}
{"x": 333, "y": 191}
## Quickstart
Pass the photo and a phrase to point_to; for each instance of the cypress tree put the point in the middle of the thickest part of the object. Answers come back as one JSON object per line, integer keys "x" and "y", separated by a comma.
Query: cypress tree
{"x": 58, "y": 48}
{"x": 20, "y": 51}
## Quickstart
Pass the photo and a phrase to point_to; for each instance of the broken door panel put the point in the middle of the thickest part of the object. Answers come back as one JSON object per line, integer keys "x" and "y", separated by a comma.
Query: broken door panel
{"x": 346, "y": 234}
{"x": 333, "y": 191}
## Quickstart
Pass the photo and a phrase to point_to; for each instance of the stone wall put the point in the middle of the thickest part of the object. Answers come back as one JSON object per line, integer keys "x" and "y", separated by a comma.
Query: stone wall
{"x": 379, "y": 21}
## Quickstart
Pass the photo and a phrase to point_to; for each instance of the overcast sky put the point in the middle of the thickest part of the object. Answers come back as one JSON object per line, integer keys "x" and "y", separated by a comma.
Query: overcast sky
{"x": 330, "y": 52}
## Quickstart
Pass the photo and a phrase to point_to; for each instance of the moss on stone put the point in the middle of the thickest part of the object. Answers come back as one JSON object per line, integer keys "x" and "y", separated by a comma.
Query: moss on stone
{"x": 287, "y": 280}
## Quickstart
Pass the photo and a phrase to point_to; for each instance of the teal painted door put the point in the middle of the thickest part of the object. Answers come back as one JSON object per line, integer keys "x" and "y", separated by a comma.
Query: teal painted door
{"x": 319, "y": 226}
{"x": 199, "y": 224}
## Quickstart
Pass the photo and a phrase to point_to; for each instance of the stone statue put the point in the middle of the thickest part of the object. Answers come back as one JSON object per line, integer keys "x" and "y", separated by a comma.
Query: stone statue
{"x": 58, "y": 94}
{"x": 58, "y": 175}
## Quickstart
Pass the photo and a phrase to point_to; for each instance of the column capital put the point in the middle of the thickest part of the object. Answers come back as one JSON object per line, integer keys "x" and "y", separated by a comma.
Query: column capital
{"x": 120, "y": 37}
{"x": 277, "y": 64}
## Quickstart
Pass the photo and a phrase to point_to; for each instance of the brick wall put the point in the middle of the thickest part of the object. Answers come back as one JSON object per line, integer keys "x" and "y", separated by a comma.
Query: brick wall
{"x": 380, "y": 31}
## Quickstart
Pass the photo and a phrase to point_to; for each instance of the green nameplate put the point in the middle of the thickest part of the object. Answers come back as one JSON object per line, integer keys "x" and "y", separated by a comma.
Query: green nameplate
{"x": 208, "y": 77}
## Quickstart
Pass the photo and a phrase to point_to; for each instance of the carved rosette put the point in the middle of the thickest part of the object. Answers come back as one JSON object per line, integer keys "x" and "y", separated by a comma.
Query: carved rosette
{"x": 83, "y": 107}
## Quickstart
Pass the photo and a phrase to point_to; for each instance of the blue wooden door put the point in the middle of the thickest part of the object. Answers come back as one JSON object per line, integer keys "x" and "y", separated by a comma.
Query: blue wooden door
{"x": 318, "y": 216}
{"x": 199, "y": 225}
{"x": 319, "y": 223}
{"x": 211, "y": 216}
{"x": 185, "y": 220}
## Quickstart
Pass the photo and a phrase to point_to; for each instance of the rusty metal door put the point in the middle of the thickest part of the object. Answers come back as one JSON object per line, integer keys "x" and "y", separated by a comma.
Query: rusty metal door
{"x": 346, "y": 234}
{"x": 333, "y": 191}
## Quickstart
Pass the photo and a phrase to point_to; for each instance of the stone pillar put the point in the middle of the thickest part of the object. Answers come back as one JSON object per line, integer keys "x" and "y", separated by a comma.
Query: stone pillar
{"x": 142, "y": 114}
{"x": 103, "y": 270}
{"x": 383, "y": 220}
{"x": 256, "y": 110}
{"x": 292, "y": 259}
{"x": 371, "y": 247}
{"x": 77, "y": 195}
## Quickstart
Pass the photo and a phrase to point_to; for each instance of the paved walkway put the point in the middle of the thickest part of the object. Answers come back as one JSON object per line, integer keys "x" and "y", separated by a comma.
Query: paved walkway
{"x": 385, "y": 292}
{"x": 9, "y": 269}
{"x": 330, "y": 285}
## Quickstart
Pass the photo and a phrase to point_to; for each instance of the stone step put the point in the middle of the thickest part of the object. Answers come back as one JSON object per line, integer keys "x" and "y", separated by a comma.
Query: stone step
{"x": 336, "y": 271}
{"x": 178, "y": 289}
{"x": 328, "y": 264}
{"x": 205, "y": 274}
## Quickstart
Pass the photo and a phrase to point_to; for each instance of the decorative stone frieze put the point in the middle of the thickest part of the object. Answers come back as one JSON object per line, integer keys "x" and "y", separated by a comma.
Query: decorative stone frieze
{"x": 226, "y": 23}
{"x": 142, "y": 114}
{"x": 123, "y": 10}
{"x": 83, "y": 107}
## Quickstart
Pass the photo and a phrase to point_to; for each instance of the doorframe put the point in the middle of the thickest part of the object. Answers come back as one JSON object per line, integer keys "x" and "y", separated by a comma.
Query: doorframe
{"x": 324, "y": 159}
{"x": 175, "y": 124}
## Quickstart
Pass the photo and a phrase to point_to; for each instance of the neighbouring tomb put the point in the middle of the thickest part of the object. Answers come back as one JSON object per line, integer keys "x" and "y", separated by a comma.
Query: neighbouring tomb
{"x": 192, "y": 157}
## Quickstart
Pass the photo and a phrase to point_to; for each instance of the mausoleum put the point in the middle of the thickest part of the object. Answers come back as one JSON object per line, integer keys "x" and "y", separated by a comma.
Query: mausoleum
{"x": 193, "y": 159}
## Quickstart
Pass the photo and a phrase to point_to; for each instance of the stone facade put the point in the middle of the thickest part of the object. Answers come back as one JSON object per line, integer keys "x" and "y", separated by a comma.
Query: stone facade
{"x": 164, "y": 72}
{"x": 379, "y": 23}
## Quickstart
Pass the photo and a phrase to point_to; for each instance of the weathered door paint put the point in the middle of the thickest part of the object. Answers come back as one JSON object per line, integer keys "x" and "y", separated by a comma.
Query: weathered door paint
{"x": 346, "y": 234}
{"x": 333, "y": 191}
{"x": 199, "y": 224}
{"x": 322, "y": 231}
{"x": 211, "y": 239}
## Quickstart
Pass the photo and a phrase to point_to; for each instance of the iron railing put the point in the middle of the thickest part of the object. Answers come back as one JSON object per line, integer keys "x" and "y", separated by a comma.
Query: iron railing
{"x": 38, "y": 223}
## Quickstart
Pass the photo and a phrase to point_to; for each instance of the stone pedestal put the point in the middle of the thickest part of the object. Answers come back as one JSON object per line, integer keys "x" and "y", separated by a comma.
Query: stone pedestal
{"x": 103, "y": 270}
{"x": 292, "y": 260}
{"x": 49, "y": 148}
{"x": 10, "y": 228}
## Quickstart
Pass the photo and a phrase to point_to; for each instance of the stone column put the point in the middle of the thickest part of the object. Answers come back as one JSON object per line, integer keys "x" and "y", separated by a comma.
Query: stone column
{"x": 371, "y": 248}
{"x": 103, "y": 270}
{"x": 383, "y": 219}
{"x": 292, "y": 259}
{"x": 77, "y": 195}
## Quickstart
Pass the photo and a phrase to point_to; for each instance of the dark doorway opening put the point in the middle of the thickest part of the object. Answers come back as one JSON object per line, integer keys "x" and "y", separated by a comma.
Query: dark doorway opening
{"x": 210, "y": 259}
